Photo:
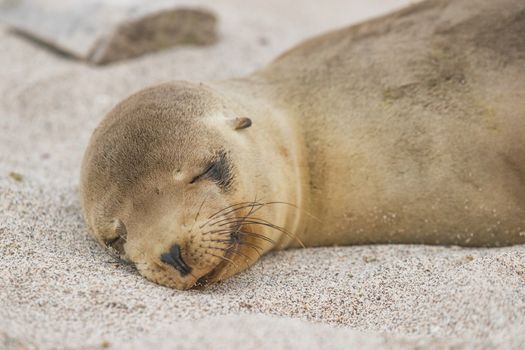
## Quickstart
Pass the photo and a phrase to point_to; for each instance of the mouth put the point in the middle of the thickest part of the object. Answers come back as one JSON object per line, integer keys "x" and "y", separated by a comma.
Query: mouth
{"x": 211, "y": 277}
{"x": 218, "y": 271}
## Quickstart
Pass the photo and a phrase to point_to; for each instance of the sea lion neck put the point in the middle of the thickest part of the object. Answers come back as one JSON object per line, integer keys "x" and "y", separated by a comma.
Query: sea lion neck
{"x": 277, "y": 132}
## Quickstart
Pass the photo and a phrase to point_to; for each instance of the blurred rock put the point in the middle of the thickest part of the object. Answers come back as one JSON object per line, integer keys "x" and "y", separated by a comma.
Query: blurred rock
{"x": 107, "y": 31}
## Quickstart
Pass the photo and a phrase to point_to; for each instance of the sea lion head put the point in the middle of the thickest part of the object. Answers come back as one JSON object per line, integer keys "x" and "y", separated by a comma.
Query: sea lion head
{"x": 173, "y": 181}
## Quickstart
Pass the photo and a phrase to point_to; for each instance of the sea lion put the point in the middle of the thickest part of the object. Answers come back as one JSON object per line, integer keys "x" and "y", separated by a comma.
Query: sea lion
{"x": 404, "y": 129}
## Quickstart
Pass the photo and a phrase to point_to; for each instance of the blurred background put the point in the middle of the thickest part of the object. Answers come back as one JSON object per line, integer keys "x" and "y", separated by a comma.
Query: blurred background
{"x": 53, "y": 94}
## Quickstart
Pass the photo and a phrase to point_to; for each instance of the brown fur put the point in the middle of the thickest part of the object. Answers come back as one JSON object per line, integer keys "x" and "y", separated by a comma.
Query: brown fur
{"x": 137, "y": 178}
{"x": 414, "y": 124}
{"x": 404, "y": 129}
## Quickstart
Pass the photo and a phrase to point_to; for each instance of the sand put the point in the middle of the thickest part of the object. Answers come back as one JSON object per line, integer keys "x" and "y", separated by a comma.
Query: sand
{"x": 60, "y": 290}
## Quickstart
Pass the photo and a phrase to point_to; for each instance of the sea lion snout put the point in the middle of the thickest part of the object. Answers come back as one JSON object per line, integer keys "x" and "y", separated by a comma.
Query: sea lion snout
{"x": 174, "y": 258}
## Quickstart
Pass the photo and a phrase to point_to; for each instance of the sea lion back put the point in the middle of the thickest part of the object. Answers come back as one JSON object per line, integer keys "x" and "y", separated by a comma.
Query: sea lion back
{"x": 413, "y": 122}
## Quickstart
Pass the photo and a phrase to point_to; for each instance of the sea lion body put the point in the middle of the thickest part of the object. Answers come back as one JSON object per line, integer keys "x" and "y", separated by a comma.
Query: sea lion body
{"x": 404, "y": 129}
{"x": 413, "y": 125}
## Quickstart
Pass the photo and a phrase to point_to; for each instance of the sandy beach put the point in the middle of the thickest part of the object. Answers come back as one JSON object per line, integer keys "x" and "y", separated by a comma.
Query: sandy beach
{"x": 60, "y": 290}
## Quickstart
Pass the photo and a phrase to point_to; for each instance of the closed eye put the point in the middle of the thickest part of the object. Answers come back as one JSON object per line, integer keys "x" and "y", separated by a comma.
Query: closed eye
{"x": 209, "y": 170}
{"x": 219, "y": 171}
{"x": 111, "y": 242}
{"x": 116, "y": 244}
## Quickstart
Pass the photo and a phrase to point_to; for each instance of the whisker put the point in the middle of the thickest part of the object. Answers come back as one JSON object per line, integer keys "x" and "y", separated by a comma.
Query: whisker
{"x": 238, "y": 230}
{"x": 228, "y": 250}
{"x": 257, "y": 235}
{"x": 253, "y": 246}
{"x": 242, "y": 220}
{"x": 224, "y": 258}
{"x": 251, "y": 205}
{"x": 218, "y": 232}
{"x": 240, "y": 206}
{"x": 258, "y": 221}
{"x": 247, "y": 203}
{"x": 252, "y": 210}
{"x": 243, "y": 205}
{"x": 221, "y": 221}
{"x": 198, "y": 212}
{"x": 217, "y": 240}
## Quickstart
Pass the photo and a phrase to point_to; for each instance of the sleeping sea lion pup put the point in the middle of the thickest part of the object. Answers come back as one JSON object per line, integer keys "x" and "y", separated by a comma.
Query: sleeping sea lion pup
{"x": 404, "y": 129}
{"x": 177, "y": 181}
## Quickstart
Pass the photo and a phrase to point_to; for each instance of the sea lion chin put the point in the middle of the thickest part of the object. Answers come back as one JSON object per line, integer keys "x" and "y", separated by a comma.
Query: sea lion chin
{"x": 404, "y": 129}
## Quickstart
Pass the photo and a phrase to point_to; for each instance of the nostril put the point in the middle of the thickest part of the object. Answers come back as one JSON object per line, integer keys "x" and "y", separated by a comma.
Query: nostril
{"x": 174, "y": 258}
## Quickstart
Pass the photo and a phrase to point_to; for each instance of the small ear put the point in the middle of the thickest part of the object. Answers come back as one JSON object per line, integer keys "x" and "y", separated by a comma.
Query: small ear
{"x": 241, "y": 123}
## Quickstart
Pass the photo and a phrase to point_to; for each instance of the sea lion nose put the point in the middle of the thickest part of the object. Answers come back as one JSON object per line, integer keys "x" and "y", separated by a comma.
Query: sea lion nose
{"x": 174, "y": 259}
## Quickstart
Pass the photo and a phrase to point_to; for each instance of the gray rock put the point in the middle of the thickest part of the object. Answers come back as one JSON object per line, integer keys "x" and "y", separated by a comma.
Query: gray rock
{"x": 107, "y": 31}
